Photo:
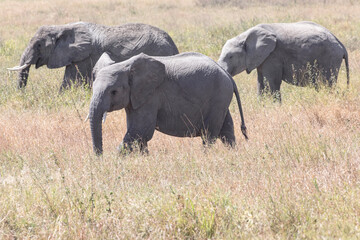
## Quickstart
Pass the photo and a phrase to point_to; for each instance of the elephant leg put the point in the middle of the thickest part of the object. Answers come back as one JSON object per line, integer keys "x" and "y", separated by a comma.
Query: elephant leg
{"x": 260, "y": 84}
{"x": 136, "y": 139}
{"x": 140, "y": 129}
{"x": 79, "y": 73}
{"x": 129, "y": 144}
{"x": 275, "y": 90}
{"x": 272, "y": 73}
{"x": 227, "y": 135}
{"x": 331, "y": 76}
{"x": 212, "y": 126}
{"x": 315, "y": 76}
{"x": 275, "y": 79}
{"x": 207, "y": 140}
{"x": 314, "y": 82}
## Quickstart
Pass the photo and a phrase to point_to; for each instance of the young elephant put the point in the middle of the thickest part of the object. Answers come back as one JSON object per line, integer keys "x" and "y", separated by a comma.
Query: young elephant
{"x": 185, "y": 95}
{"x": 78, "y": 46}
{"x": 298, "y": 53}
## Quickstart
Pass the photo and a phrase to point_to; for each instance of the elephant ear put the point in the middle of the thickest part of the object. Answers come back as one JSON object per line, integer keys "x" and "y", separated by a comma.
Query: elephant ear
{"x": 146, "y": 74}
{"x": 72, "y": 44}
{"x": 258, "y": 44}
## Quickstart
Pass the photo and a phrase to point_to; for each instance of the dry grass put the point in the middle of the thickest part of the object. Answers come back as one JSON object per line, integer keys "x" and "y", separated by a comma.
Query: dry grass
{"x": 297, "y": 177}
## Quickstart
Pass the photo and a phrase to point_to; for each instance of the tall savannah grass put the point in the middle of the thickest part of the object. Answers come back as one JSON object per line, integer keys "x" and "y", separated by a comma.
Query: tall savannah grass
{"x": 298, "y": 176}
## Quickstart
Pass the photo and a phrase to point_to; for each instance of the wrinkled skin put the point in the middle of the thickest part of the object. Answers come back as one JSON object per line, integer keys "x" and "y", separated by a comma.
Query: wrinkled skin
{"x": 185, "y": 95}
{"x": 300, "y": 53}
{"x": 78, "y": 46}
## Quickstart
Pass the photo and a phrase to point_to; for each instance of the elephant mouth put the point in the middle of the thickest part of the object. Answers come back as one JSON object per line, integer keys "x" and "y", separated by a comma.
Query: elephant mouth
{"x": 231, "y": 72}
{"x": 39, "y": 62}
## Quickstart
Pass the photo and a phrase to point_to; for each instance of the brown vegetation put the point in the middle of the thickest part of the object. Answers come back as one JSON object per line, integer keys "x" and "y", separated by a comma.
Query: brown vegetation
{"x": 297, "y": 177}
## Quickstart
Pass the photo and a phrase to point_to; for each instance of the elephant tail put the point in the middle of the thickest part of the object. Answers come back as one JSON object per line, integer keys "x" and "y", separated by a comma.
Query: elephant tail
{"x": 243, "y": 127}
{"x": 346, "y": 57}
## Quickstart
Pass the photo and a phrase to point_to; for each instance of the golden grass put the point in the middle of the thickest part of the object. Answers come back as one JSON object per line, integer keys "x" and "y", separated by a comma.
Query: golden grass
{"x": 297, "y": 177}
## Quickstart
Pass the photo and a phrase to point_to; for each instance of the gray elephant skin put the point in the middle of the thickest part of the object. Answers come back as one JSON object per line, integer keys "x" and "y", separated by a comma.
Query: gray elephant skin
{"x": 301, "y": 54}
{"x": 185, "y": 95}
{"x": 78, "y": 46}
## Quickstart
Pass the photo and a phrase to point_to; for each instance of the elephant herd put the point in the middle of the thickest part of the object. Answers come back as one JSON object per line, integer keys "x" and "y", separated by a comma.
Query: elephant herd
{"x": 138, "y": 67}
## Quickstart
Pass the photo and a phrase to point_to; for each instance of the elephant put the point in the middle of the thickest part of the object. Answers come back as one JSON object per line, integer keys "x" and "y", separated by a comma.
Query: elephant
{"x": 78, "y": 46}
{"x": 185, "y": 95}
{"x": 301, "y": 53}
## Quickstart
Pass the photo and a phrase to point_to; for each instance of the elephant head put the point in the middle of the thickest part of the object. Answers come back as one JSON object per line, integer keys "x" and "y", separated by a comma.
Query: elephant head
{"x": 127, "y": 84}
{"x": 55, "y": 46}
{"x": 104, "y": 61}
{"x": 247, "y": 51}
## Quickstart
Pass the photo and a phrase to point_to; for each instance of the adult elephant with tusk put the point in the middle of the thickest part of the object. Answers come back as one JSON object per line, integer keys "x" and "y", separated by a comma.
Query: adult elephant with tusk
{"x": 78, "y": 46}
{"x": 302, "y": 53}
{"x": 185, "y": 95}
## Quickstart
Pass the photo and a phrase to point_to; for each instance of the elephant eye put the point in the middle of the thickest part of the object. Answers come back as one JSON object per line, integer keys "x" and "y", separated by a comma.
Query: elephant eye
{"x": 231, "y": 57}
{"x": 113, "y": 92}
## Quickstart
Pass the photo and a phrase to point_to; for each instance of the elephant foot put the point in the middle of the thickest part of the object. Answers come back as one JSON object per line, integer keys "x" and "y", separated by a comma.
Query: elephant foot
{"x": 127, "y": 148}
{"x": 208, "y": 141}
{"x": 228, "y": 142}
{"x": 123, "y": 149}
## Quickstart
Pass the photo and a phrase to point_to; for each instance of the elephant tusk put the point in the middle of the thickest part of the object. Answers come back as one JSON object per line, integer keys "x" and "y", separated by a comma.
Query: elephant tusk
{"x": 104, "y": 117}
{"x": 87, "y": 117}
{"x": 18, "y": 68}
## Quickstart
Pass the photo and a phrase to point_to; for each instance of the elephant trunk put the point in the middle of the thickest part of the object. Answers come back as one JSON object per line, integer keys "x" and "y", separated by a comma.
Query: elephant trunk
{"x": 26, "y": 60}
{"x": 96, "y": 114}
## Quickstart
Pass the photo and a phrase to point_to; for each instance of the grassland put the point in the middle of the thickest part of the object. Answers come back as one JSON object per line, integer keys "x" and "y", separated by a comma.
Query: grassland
{"x": 298, "y": 177}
